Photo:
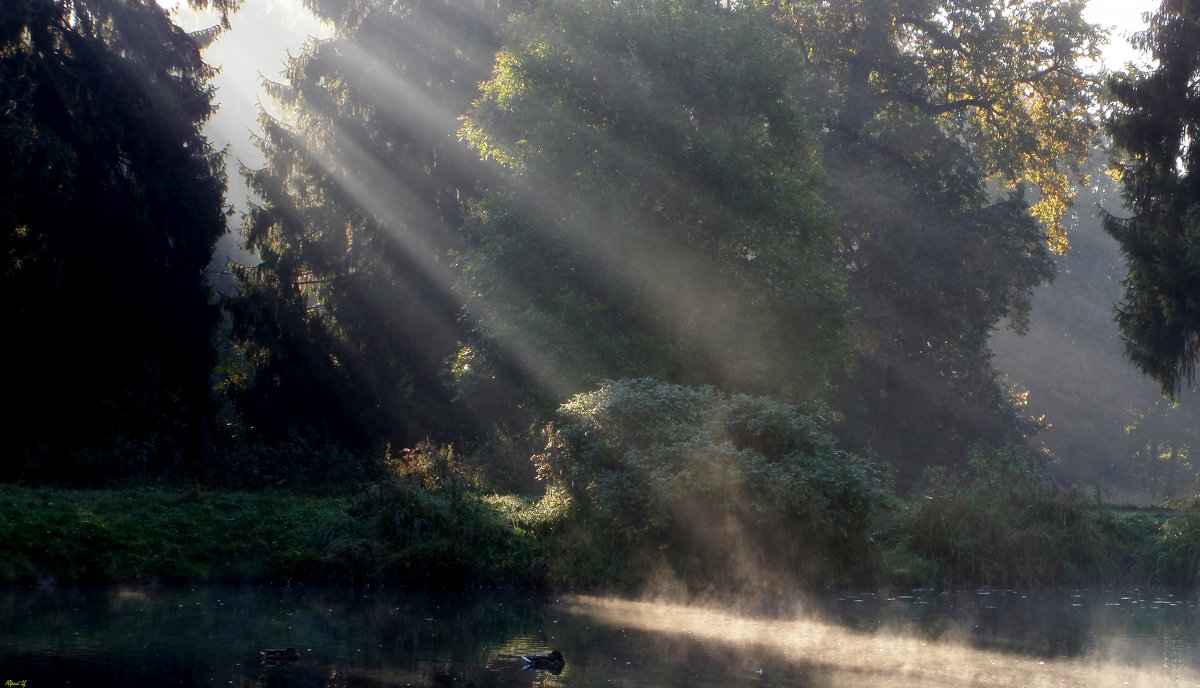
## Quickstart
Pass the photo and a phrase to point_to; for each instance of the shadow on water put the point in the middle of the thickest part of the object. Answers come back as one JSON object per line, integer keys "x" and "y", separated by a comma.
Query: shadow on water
{"x": 212, "y": 636}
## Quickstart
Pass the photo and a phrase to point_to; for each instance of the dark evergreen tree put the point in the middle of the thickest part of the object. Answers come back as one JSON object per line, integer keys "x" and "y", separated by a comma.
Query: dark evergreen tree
{"x": 110, "y": 208}
{"x": 348, "y": 321}
{"x": 1156, "y": 126}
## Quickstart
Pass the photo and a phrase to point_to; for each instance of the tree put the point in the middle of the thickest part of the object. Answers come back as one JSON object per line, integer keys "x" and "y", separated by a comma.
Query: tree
{"x": 347, "y": 321}
{"x": 662, "y": 214}
{"x": 1156, "y": 125}
{"x": 111, "y": 206}
{"x": 944, "y": 117}
{"x": 1002, "y": 77}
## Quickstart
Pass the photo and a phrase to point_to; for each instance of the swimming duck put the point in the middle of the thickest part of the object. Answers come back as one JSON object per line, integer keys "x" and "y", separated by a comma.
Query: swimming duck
{"x": 289, "y": 654}
{"x": 552, "y": 662}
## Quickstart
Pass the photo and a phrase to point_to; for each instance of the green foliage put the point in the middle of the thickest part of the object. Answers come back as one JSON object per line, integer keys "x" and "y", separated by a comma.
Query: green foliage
{"x": 938, "y": 114}
{"x": 302, "y": 462}
{"x": 1004, "y": 523}
{"x": 147, "y": 535}
{"x": 347, "y": 320}
{"x": 1006, "y": 79}
{"x": 1189, "y": 503}
{"x": 1174, "y": 556}
{"x": 661, "y": 216}
{"x": 1155, "y": 128}
{"x": 110, "y": 209}
{"x": 396, "y": 531}
{"x": 1126, "y": 437}
{"x": 711, "y": 483}
{"x": 430, "y": 523}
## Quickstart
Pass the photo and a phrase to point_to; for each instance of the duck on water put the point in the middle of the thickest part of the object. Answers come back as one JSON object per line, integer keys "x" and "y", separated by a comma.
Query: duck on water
{"x": 289, "y": 654}
{"x": 552, "y": 662}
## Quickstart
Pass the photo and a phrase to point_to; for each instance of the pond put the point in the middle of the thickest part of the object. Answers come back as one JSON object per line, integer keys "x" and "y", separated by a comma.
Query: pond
{"x": 211, "y": 636}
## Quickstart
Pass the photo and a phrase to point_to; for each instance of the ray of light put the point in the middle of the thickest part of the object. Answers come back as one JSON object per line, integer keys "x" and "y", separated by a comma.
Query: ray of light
{"x": 381, "y": 193}
{"x": 852, "y": 658}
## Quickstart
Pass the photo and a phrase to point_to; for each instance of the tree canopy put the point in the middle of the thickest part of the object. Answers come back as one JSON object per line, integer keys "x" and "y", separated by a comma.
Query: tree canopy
{"x": 662, "y": 214}
{"x": 646, "y": 198}
{"x": 954, "y": 125}
{"x": 471, "y": 212}
{"x": 1004, "y": 78}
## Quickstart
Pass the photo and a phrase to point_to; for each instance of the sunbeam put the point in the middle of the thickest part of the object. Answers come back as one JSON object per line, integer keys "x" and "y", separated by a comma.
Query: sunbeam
{"x": 653, "y": 221}
{"x": 845, "y": 657}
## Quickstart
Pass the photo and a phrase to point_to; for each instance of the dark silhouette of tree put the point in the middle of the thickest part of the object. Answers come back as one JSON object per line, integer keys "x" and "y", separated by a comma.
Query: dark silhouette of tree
{"x": 1156, "y": 126}
{"x": 110, "y": 205}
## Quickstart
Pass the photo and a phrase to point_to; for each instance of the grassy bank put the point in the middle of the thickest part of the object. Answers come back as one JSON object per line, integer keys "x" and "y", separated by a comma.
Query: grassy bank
{"x": 402, "y": 533}
{"x": 391, "y": 532}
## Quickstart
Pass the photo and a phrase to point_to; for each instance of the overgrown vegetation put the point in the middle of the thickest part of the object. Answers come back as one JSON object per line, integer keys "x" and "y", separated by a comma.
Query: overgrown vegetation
{"x": 396, "y": 533}
{"x": 699, "y": 485}
{"x": 644, "y": 484}
{"x": 421, "y": 526}
{"x": 821, "y": 203}
{"x": 1006, "y": 523}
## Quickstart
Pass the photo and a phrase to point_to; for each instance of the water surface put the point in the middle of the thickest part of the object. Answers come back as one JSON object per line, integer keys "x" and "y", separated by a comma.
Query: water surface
{"x": 211, "y": 636}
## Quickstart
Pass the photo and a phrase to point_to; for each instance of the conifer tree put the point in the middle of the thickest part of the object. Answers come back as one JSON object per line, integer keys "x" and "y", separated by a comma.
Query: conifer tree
{"x": 110, "y": 207}
{"x": 347, "y": 322}
{"x": 1156, "y": 127}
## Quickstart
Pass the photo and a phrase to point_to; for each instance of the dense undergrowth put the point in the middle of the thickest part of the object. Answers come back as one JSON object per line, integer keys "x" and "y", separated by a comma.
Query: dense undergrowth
{"x": 643, "y": 485}
{"x": 397, "y": 533}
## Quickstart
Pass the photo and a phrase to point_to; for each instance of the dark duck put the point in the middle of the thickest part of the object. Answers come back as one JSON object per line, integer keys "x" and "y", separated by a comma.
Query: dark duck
{"x": 552, "y": 662}
{"x": 289, "y": 654}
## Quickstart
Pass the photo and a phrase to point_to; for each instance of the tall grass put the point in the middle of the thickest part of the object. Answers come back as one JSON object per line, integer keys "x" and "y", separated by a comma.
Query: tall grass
{"x": 429, "y": 522}
{"x": 1005, "y": 523}
{"x": 126, "y": 535}
{"x": 433, "y": 521}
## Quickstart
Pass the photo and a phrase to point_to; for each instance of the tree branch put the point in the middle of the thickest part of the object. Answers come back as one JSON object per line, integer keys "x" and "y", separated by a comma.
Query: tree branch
{"x": 939, "y": 108}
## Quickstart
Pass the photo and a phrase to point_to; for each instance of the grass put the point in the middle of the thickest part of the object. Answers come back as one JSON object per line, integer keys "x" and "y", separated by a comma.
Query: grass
{"x": 1036, "y": 537}
{"x": 389, "y": 534}
{"x": 400, "y": 532}
{"x": 139, "y": 535}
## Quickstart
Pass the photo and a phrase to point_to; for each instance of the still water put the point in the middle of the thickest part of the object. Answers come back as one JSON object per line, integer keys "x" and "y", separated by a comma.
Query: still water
{"x": 211, "y": 636}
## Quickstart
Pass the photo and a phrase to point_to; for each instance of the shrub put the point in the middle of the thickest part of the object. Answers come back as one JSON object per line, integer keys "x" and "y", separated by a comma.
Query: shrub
{"x": 713, "y": 486}
{"x": 1174, "y": 553}
{"x": 1005, "y": 523}
{"x": 430, "y": 524}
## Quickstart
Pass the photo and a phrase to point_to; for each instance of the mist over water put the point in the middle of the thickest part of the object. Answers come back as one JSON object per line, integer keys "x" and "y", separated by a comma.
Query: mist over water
{"x": 211, "y": 636}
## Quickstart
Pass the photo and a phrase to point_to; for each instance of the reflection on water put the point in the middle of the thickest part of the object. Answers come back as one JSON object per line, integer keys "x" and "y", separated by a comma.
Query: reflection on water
{"x": 212, "y": 636}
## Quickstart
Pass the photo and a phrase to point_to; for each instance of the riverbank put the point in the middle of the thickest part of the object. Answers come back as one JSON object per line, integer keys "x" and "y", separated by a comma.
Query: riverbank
{"x": 403, "y": 534}
{"x": 391, "y": 533}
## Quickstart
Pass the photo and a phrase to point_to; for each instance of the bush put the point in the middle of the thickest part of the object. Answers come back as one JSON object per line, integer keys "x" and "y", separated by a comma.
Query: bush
{"x": 430, "y": 524}
{"x": 1174, "y": 553}
{"x": 714, "y": 487}
{"x": 1005, "y": 523}
{"x": 308, "y": 462}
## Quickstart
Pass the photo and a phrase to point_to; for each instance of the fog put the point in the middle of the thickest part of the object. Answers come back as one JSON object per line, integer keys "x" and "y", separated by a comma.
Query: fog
{"x": 831, "y": 654}
{"x": 1106, "y": 425}
{"x": 263, "y": 34}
